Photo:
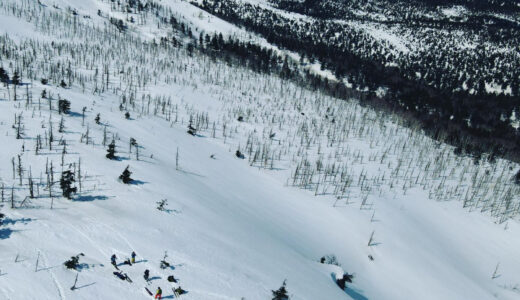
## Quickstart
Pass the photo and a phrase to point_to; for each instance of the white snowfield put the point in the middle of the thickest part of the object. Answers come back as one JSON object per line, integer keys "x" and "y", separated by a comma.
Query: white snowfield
{"x": 234, "y": 228}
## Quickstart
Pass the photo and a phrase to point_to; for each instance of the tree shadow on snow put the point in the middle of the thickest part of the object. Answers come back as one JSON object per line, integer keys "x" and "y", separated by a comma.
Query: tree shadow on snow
{"x": 48, "y": 268}
{"x": 5, "y": 233}
{"x": 24, "y": 221}
{"x": 137, "y": 182}
{"x": 85, "y": 266}
{"x": 84, "y": 286}
{"x": 121, "y": 158}
{"x": 191, "y": 173}
{"x": 74, "y": 114}
{"x": 140, "y": 261}
{"x": 88, "y": 198}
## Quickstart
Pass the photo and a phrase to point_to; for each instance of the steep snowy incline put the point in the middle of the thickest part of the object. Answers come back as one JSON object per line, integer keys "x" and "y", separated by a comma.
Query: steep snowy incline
{"x": 232, "y": 230}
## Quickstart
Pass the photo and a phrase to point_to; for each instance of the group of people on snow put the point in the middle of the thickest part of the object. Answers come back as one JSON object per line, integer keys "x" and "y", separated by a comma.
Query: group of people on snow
{"x": 124, "y": 276}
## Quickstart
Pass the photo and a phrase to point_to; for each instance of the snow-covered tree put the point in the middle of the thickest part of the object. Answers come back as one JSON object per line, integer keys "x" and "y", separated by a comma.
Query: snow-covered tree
{"x": 281, "y": 293}
{"x": 125, "y": 176}
{"x": 111, "y": 150}
{"x": 66, "y": 182}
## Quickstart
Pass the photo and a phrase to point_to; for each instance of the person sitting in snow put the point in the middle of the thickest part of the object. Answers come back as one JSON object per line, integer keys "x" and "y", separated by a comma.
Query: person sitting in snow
{"x": 158, "y": 295}
{"x": 120, "y": 275}
{"x": 133, "y": 257}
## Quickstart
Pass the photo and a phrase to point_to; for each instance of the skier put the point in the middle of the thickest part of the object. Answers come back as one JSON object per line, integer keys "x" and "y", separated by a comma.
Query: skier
{"x": 158, "y": 295}
{"x": 146, "y": 275}
{"x": 133, "y": 257}
{"x": 113, "y": 260}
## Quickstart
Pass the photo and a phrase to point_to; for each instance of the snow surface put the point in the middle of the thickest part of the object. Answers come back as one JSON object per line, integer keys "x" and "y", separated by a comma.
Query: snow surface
{"x": 233, "y": 230}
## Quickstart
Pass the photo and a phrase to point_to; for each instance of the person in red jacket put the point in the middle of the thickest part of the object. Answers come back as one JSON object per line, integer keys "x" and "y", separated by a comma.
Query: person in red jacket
{"x": 158, "y": 295}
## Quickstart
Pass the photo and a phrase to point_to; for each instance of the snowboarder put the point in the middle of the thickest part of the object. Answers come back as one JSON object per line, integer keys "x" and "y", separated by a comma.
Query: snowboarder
{"x": 146, "y": 275}
{"x": 133, "y": 257}
{"x": 158, "y": 295}
{"x": 113, "y": 260}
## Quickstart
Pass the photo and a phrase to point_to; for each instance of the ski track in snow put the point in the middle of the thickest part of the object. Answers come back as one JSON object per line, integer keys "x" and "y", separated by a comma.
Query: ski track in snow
{"x": 96, "y": 245}
{"x": 53, "y": 276}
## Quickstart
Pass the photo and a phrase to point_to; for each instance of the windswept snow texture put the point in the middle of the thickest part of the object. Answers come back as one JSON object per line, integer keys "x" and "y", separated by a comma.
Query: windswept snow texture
{"x": 234, "y": 228}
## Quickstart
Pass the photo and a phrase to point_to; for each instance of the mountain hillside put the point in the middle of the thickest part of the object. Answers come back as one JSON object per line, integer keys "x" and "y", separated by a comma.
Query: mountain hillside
{"x": 241, "y": 179}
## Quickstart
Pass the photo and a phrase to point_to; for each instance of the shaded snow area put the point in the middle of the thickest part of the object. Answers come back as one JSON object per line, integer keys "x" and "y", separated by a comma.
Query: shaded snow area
{"x": 316, "y": 176}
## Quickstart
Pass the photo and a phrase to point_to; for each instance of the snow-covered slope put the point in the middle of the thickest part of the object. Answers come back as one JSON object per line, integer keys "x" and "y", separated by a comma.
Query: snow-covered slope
{"x": 234, "y": 228}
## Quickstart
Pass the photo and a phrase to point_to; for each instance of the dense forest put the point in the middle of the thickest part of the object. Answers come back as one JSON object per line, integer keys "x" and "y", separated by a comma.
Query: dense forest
{"x": 457, "y": 74}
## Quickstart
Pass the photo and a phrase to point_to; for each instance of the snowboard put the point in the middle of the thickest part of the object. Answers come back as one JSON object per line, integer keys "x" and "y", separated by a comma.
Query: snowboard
{"x": 149, "y": 293}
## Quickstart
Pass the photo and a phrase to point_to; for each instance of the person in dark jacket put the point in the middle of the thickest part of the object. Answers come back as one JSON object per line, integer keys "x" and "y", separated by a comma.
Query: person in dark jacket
{"x": 146, "y": 275}
{"x": 113, "y": 260}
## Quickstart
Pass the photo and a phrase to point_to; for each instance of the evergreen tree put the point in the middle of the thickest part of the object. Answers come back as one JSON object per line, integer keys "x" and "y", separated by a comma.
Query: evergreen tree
{"x": 125, "y": 176}
{"x": 16, "y": 78}
{"x": 111, "y": 150}
{"x": 15, "y": 81}
{"x": 517, "y": 177}
{"x": 191, "y": 130}
{"x": 4, "y": 78}
{"x": 66, "y": 181}
{"x": 63, "y": 106}
{"x": 281, "y": 293}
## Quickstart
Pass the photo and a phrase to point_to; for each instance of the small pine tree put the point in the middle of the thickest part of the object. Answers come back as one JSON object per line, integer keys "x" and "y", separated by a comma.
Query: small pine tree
{"x": 15, "y": 81}
{"x": 281, "y": 293}
{"x": 125, "y": 176}
{"x": 16, "y": 78}
{"x": 164, "y": 263}
{"x": 191, "y": 130}
{"x": 161, "y": 205}
{"x": 67, "y": 178}
{"x": 73, "y": 262}
{"x": 517, "y": 177}
{"x": 111, "y": 150}
{"x": 63, "y": 106}
{"x": 4, "y": 77}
